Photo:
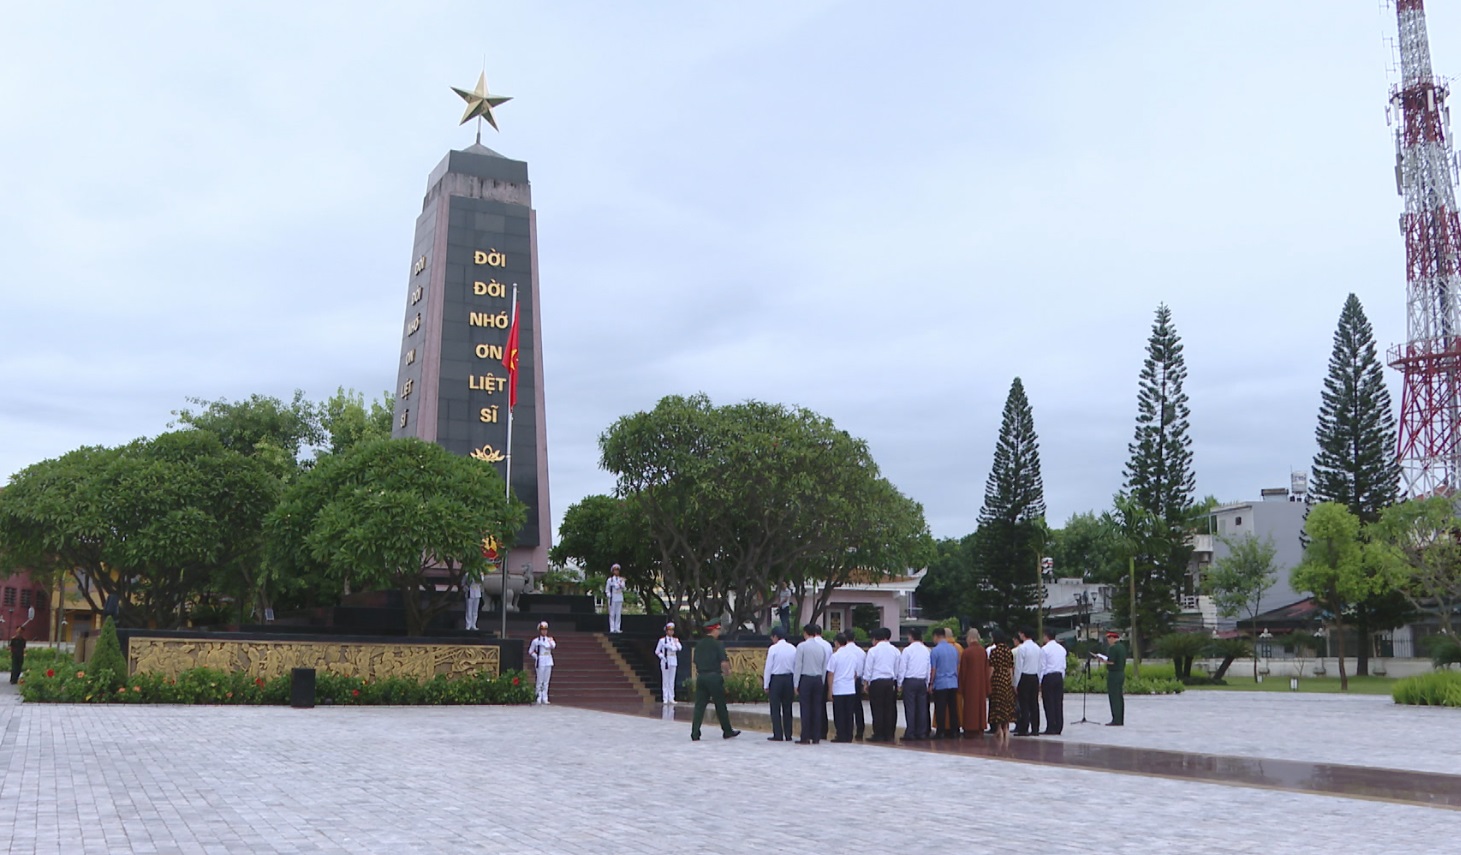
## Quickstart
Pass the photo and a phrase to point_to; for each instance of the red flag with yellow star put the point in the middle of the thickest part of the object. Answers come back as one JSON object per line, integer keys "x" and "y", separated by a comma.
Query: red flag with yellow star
{"x": 509, "y": 361}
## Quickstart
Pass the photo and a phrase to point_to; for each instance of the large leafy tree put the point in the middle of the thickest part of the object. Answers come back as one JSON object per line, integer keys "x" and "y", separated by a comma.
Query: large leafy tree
{"x": 1159, "y": 476}
{"x": 741, "y": 498}
{"x": 394, "y": 514}
{"x": 1421, "y": 540}
{"x": 146, "y": 525}
{"x": 347, "y": 419}
{"x": 601, "y": 531}
{"x": 1089, "y": 546}
{"x": 289, "y": 437}
{"x": 1339, "y": 568}
{"x": 944, "y": 588}
{"x": 1356, "y": 465}
{"x": 1237, "y": 581}
{"x": 261, "y": 426}
{"x": 1012, "y": 531}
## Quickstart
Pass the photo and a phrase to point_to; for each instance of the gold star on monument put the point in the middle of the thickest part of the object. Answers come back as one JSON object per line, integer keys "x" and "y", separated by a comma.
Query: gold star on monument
{"x": 480, "y": 104}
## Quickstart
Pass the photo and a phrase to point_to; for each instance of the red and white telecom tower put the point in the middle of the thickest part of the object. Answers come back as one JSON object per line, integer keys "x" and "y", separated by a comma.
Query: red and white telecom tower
{"x": 1430, "y": 359}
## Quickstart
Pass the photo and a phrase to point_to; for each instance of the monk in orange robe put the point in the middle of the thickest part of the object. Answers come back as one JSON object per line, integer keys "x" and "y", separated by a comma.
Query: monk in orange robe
{"x": 974, "y": 685}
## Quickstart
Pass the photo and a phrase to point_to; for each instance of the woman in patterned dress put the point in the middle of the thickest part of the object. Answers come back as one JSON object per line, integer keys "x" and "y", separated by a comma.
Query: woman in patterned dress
{"x": 1001, "y": 687}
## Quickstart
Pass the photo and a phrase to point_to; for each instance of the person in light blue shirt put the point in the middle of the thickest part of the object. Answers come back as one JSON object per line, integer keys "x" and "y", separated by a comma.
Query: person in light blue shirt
{"x": 944, "y": 663}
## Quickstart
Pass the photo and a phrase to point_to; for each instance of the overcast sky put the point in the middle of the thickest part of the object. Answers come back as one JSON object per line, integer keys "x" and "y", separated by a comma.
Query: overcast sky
{"x": 882, "y": 212}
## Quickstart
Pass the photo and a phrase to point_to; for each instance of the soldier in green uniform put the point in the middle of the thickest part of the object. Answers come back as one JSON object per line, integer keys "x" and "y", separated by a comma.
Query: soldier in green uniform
{"x": 1116, "y": 656}
{"x": 711, "y": 666}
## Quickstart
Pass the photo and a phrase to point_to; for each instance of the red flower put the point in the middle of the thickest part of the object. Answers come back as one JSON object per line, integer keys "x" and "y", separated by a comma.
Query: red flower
{"x": 516, "y": 680}
{"x": 355, "y": 692}
{"x": 259, "y": 682}
{"x": 50, "y": 672}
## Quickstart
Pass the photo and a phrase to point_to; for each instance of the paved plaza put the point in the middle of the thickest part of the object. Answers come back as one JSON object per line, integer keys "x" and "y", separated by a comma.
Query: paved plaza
{"x": 107, "y": 779}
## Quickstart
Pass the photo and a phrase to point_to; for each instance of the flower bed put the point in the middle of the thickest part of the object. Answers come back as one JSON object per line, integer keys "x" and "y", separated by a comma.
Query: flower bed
{"x": 63, "y": 681}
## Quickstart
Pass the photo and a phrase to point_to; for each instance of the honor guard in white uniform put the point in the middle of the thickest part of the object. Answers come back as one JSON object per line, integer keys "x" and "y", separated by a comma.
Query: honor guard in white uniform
{"x": 668, "y": 651}
{"x": 541, "y": 650}
{"x": 474, "y": 603}
{"x": 614, "y": 593}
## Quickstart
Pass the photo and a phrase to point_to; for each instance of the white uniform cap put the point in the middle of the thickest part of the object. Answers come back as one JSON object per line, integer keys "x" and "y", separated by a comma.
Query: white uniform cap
{"x": 542, "y": 624}
{"x": 670, "y": 625}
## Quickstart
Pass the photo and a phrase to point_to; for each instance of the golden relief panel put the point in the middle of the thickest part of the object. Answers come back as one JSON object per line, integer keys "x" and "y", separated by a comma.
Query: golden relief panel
{"x": 747, "y": 661}
{"x": 269, "y": 659}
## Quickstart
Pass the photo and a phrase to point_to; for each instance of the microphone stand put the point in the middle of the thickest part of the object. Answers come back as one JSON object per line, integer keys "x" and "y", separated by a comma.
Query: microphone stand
{"x": 1085, "y": 691}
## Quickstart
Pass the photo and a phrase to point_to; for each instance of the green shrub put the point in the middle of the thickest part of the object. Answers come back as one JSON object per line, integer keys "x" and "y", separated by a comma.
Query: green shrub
{"x": 106, "y": 660}
{"x": 1437, "y": 689}
{"x": 73, "y": 684}
{"x": 1155, "y": 679}
{"x": 46, "y": 657}
{"x": 739, "y": 689}
{"x": 1444, "y": 650}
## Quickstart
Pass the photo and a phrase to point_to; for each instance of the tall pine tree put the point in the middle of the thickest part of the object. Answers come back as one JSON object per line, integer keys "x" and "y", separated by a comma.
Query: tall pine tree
{"x": 1160, "y": 481}
{"x": 1357, "y": 465}
{"x": 1011, "y": 523}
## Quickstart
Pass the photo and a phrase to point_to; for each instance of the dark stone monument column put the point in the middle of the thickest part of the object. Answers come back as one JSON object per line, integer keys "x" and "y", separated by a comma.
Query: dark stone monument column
{"x": 477, "y": 237}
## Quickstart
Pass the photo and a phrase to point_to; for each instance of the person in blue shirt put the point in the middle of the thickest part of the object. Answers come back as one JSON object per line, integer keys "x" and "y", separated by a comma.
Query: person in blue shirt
{"x": 944, "y": 663}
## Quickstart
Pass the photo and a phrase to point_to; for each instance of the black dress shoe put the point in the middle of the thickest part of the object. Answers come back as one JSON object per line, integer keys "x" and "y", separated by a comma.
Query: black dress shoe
{"x": 775, "y": 739}
{"x": 732, "y": 735}
{"x": 694, "y": 739}
{"x": 839, "y": 740}
{"x": 1113, "y": 724}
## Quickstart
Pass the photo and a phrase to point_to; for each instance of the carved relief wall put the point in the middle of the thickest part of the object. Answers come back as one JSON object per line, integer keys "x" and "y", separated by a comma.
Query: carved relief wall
{"x": 269, "y": 659}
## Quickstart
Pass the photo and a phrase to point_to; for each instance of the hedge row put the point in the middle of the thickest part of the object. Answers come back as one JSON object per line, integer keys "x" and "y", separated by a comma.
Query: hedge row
{"x": 1436, "y": 689}
{"x": 58, "y": 679}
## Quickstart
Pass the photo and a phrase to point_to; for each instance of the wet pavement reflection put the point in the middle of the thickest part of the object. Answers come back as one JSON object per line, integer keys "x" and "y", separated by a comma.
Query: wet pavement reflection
{"x": 1429, "y": 789}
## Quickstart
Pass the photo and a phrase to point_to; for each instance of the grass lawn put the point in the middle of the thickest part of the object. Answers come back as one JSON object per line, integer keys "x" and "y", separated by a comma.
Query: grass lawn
{"x": 1357, "y": 685}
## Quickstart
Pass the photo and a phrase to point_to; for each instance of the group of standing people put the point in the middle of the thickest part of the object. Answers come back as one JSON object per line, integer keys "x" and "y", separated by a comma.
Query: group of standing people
{"x": 977, "y": 690}
{"x": 816, "y": 671}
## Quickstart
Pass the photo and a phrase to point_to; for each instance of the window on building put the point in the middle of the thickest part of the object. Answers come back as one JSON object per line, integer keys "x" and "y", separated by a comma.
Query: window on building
{"x": 25, "y": 595}
{"x": 1237, "y": 520}
{"x": 9, "y": 597}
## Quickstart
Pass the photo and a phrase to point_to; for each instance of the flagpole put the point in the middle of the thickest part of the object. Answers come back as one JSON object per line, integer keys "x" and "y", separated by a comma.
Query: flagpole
{"x": 507, "y": 479}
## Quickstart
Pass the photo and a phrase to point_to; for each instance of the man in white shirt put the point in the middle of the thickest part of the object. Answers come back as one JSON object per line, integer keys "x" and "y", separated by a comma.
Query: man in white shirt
{"x": 614, "y": 593}
{"x": 783, "y": 605}
{"x": 858, "y": 720}
{"x": 826, "y": 687}
{"x": 1027, "y": 685}
{"x": 1052, "y": 683}
{"x": 778, "y": 682}
{"x": 880, "y": 670}
{"x": 809, "y": 678}
{"x": 913, "y": 675}
{"x": 541, "y": 649}
{"x": 842, "y": 672}
{"x": 668, "y": 650}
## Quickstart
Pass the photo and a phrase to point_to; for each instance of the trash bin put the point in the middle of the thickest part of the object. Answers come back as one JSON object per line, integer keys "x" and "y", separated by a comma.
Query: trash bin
{"x": 302, "y": 688}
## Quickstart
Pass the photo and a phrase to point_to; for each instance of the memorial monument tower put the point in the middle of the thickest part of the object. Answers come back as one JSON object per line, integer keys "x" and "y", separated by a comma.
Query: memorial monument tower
{"x": 476, "y": 246}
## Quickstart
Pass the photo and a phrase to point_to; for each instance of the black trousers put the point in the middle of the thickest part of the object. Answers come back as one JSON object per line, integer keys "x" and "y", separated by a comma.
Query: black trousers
{"x": 1027, "y": 695}
{"x": 17, "y": 664}
{"x": 858, "y": 721}
{"x": 1052, "y": 693}
{"x": 915, "y": 709}
{"x": 882, "y": 698}
{"x": 782, "y": 694}
{"x": 946, "y": 711}
{"x": 842, "y": 715}
{"x": 812, "y": 692}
